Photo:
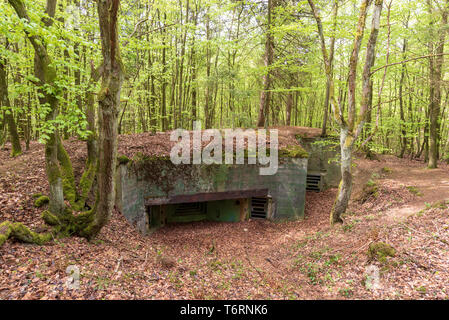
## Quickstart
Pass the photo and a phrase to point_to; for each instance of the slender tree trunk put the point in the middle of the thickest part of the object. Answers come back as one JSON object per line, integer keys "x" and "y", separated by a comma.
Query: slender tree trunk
{"x": 265, "y": 95}
{"x": 288, "y": 111}
{"x": 164, "y": 80}
{"x": 401, "y": 104}
{"x": 331, "y": 61}
{"x": 436, "y": 65}
{"x": 181, "y": 67}
{"x": 350, "y": 130}
{"x": 207, "y": 94}
{"x": 16, "y": 148}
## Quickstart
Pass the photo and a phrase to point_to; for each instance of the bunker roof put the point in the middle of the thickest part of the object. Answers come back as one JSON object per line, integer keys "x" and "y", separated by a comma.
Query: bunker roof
{"x": 158, "y": 144}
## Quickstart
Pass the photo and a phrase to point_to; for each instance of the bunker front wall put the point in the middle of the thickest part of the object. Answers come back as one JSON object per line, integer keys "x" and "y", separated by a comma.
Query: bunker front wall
{"x": 324, "y": 157}
{"x": 230, "y": 210}
{"x": 154, "y": 182}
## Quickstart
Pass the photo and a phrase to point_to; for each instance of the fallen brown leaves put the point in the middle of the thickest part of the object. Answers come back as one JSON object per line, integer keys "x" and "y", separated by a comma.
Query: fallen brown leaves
{"x": 248, "y": 260}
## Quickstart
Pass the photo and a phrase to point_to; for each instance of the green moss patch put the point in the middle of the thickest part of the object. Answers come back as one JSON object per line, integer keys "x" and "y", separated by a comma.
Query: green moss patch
{"x": 5, "y": 232}
{"x": 122, "y": 159}
{"x": 381, "y": 251}
{"x": 22, "y": 233}
{"x": 293, "y": 151}
{"x": 386, "y": 170}
{"x": 42, "y": 200}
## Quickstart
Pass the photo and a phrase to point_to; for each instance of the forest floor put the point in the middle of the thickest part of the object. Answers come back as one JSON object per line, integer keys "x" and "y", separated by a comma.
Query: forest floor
{"x": 395, "y": 201}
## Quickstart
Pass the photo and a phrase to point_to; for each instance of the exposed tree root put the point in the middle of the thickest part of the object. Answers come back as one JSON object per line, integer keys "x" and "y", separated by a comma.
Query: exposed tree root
{"x": 20, "y": 232}
{"x": 67, "y": 224}
{"x": 63, "y": 225}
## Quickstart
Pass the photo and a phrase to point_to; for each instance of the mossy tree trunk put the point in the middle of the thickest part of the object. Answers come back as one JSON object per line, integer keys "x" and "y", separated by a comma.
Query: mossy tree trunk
{"x": 90, "y": 171}
{"x": 9, "y": 118}
{"x": 46, "y": 73}
{"x": 351, "y": 128}
{"x": 58, "y": 165}
{"x": 108, "y": 102}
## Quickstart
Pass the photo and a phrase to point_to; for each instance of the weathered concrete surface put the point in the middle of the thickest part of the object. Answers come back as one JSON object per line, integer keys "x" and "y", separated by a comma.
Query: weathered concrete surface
{"x": 144, "y": 181}
{"x": 324, "y": 157}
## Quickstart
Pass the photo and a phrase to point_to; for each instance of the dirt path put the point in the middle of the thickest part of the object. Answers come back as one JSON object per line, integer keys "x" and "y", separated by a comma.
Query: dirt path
{"x": 430, "y": 185}
{"x": 433, "y": 185}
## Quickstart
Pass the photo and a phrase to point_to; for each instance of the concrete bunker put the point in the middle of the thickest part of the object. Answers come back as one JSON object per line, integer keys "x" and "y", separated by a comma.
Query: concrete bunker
{"x": 152, "y": 191}
{"x": 323, "y": 168}
{"x": 227, "y": 206}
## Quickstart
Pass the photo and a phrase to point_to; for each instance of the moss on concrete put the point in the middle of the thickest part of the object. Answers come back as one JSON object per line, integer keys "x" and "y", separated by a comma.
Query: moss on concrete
{"x": 160, "y": 170}
{"x": 293, "y": 151}
{"x": 122, "y": 159}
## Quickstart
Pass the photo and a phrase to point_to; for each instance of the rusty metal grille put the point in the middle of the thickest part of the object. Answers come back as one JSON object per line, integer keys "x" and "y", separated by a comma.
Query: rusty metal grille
{"x": 185, "y": 209}
{"x": 259, "y": 207}
{"x": 313, "y": 182}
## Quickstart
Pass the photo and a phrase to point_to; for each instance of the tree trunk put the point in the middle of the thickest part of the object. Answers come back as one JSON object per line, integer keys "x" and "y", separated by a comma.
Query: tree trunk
{"x": 331, "y": 61}
{"x": 401, "y": 104}
{"x": 109, "y": 103}
{"x": 207, "y": 93}
{"x": 351, "y": 130}
{"x": 164, "y": 80}
{"x": 345, "y": 187}
{"x": 265, "y": 95}
{"x": 435, "y": 66}
{"x": 288, "y": 111}
{"x": 16, "y": 148}
{"x": 46, "y": 73}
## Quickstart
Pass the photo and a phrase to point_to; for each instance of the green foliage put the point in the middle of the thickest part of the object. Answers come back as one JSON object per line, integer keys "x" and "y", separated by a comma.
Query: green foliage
{"x": 173, "y": 55}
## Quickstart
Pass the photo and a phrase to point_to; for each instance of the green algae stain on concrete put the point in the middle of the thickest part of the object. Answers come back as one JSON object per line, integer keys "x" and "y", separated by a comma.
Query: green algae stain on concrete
{"x": 148, "y": 185}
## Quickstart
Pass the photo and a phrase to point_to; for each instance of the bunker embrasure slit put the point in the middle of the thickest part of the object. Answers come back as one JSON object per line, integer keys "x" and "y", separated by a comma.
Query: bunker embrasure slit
{"x": 259, "y": 208}
{"x": 314, "y": 182}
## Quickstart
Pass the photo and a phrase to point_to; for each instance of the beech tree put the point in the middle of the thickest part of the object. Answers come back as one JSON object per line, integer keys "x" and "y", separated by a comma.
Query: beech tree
{"x": 436, "y": 60}
{"x": 16, "y": 148}
{"x": 265, "y": 95}
{"x": 351, "y": 126}
{"x": 59, "y": 170}
{"x": 226, "y": 63}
